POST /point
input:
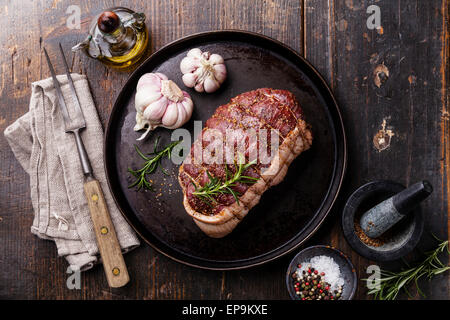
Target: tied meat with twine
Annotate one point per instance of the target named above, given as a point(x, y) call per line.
point(49, 155)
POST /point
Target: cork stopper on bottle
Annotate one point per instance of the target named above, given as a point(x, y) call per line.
point(108, 22)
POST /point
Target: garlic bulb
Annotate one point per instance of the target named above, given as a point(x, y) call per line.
point(160, 102)
point(203, 71)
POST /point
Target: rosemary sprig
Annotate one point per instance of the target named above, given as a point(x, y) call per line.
point(150, 165)
point(391, 283)
point(215, 187)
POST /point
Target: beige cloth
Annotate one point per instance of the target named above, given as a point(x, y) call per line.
point(50, 157)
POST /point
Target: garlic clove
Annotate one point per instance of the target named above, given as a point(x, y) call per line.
point(216, 59)
point(149, 80)
point(189, 79)
point(220, 72)
point(196, 52)
point(188, 106)
point(210, 85)
point(155, 110)
point(199, 87)
point(181, 116)
point(144, 98)
point(189, 64)
point(170, 116)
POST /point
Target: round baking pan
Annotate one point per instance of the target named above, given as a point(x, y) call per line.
point(287, 214)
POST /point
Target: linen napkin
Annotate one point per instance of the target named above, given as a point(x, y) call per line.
point(49, 155)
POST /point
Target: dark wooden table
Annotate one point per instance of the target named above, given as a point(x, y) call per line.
point(412, 47)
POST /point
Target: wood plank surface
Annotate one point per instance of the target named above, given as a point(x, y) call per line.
point(413, 45)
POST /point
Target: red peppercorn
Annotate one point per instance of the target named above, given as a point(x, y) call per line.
point(297, 284)
point(316, 272)
point(319, 285)
point(322, 273)
point(307, 284)
point(309, 270)
point(321, 291)
point(299, 266)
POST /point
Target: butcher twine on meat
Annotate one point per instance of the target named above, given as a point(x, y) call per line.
point(281, 117)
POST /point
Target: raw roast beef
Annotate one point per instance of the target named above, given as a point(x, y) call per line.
point(272, 114)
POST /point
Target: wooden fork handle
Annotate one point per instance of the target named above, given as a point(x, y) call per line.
point(108, 244)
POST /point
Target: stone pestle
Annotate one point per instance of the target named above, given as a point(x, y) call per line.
point(386, 214)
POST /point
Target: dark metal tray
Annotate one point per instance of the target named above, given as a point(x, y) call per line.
point(287, 214)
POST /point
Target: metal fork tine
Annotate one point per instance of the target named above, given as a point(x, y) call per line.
point(58, 89)
point(71, 85)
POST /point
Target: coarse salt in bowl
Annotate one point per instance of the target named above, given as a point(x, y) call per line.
point(337, 268)
point(327, 265)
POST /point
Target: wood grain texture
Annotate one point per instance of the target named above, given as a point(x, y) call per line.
point(410, 45)
point(414, 101)
point(113, 263)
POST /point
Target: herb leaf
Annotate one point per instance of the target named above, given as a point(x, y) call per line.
point(391, 283)
point(150, 165)
point(215, 187)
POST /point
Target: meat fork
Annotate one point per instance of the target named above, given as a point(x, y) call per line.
point(108, 244)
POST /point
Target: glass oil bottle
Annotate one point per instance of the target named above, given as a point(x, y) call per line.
point(117, 37)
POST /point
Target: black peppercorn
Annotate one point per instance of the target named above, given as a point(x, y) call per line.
point(311, 285)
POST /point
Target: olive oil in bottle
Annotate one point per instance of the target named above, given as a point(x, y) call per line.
point(117, 37)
